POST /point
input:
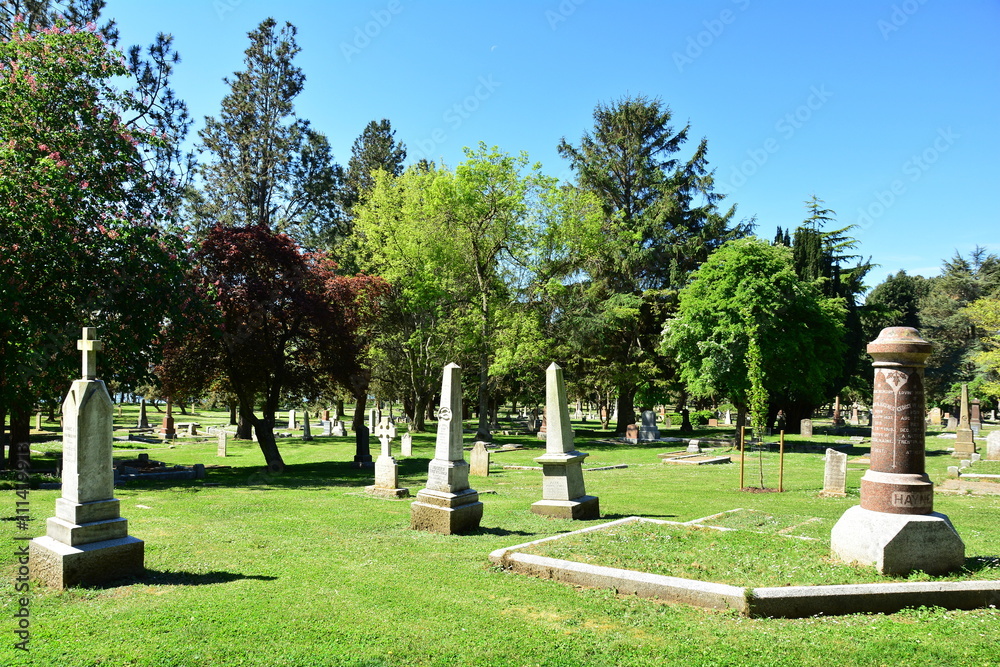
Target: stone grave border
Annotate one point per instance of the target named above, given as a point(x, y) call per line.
point(768, 602)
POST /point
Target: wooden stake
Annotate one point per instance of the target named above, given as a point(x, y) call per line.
point(781, 463)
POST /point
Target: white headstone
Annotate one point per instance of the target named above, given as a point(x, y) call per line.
point(87, 540)
point(835, 474)
point(385, 432)
point(993, 446)
point(223, 441)
point(406, 445)
point(292, 424)
point(479, 460)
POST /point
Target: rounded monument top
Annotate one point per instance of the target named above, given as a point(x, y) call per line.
point(900, 345)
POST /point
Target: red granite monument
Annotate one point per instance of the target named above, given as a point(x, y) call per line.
point(896, 528)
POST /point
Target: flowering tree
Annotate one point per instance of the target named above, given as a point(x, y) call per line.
point(80, 198)
point(269, 319)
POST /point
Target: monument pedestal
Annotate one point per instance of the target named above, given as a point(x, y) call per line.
point(563, 492)
point(387, 480)
point(446, 513)
point(60, 565)
point(897, 544)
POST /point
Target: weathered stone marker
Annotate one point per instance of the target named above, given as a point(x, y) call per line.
point(448, 505)
point(479, 460)
point(386, 470)
point(806, 428)
point(965, 441)
point(835, 474)
point(895, 528)
point(993, 446)
point(306, 427)
point(167, 429)
point(292, 423)
point(975, 416)
point(223, 437)
point(406, 445)
point(648, 430)
point(935, 416)
point(87, 541)
point(143, 417)
point(563, 492)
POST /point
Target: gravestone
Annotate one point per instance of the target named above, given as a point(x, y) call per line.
point(712, 423)
point(993, 446)
point(951, 424)
point(855, 417)
point(143, 417)
point(87, 541)
point(648, 431)
point(167, 429)
point(533, 421)
point(965, 441)
point(543, 430)
point(728, 420)
point(694, 447)
point(338, 429)
point(192, 429)
point(563, 492)
point(306, 427)
point(447, 505)
point(895, 528)
point(632, 434)
point(837, 420)
point(362, 453)
point(479, 460)
point(975, 416)
point(835, 474)
point(386, 470)
point(223, 442)
point(292, 423)
point(373, 419)
point(935, 416)
point(327, 428)
point(38, 421)
point(806, 428)
point(326, 415)
point(406, 444)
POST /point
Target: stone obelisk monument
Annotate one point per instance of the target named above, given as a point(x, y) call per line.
point(896, 528)
point(965, 441)
point(563, 493)
point(448, 505)
point(87, 541)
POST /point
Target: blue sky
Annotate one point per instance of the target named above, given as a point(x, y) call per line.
point(887, 110)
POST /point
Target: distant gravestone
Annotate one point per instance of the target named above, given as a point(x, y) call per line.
point(327, 427)
point(993, 446)
point(223, 441)
point(543, 429)
point(975, 416)
point(292, 424)
point(935, 416)
point(728, 419)
point(965, 440)
point(694, 447)
point(38, 421)
point(87, 541)
point(326, 415)
point(143, 418)
point(632, 434)
point(479, 460)
point(806, 428)
point(648, 430)
point(835, 474)
point(406, 444)
point(372, 420)
point(712, 423)
point(952, 424)
point(386, 470)
point(306, 427)
point(192, 429)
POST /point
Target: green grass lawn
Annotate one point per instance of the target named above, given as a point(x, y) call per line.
point(247, 568)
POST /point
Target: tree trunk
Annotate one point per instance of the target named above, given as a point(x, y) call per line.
point(339, 408)
point(180, 404)
point(264, 428)
point(244, 429)
point(20, 436)
point(419, 424)
point(626, 407)
point(233, 418)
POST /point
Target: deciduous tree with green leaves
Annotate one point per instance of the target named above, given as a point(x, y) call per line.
point(747, 322)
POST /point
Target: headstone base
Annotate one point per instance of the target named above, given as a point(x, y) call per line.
point(897, 544)
point(446, 513)
point(60, 566)
point(583, 508)
point(362, 461)
point(380, 492)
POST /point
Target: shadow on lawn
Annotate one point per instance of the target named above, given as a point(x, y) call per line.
point(168, 578)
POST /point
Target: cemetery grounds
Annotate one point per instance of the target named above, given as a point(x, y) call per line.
point(304, 568)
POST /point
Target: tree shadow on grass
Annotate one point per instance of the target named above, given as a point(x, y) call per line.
point(502, 532)
point(168, 578)
point(319, 475)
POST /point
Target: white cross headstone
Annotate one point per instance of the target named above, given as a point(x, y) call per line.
point(90, 347)
point(385, 432)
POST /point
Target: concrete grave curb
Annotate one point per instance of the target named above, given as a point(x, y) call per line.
point(780, 602)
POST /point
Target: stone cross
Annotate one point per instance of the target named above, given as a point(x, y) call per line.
point(385, 432)
point(965, 441)
point(90, 346)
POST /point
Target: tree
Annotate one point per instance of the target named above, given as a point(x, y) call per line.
point(661, 219)
point(270, 319)
point(946, 323)
point(376, 149)
point(895, 302)
point(985, 314)
point(268, 167)
point(747, 322)
point(82, 192)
